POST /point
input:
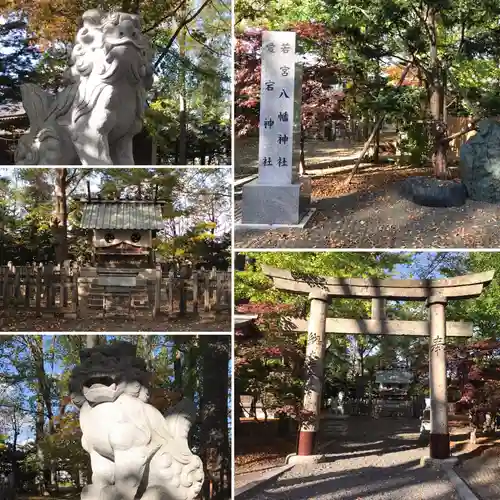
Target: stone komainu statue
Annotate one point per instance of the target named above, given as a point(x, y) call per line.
point(93, 119)
point(135, 451)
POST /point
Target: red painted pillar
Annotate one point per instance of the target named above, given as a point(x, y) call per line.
point(315, 351)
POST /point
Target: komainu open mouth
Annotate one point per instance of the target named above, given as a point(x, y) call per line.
point(95, 382)
point(100, 389)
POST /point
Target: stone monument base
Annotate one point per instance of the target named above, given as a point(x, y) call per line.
point(271, 204)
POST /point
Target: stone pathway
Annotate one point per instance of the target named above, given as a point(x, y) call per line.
point(319, 154)
point(368, 459)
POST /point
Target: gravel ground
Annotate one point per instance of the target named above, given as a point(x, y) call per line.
point(383, 219)
point(368, 459)
point(482, 474)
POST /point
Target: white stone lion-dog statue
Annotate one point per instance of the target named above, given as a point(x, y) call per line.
point(135, 451)
point(93, 120)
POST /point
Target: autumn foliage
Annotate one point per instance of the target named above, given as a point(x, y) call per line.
point(320, 101)
point(477, 369)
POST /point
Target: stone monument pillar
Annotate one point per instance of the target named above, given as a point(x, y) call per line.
point(439, 435)
point(275, 196)
point(135, 451)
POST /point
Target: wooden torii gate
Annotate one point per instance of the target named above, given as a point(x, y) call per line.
point(435, 292)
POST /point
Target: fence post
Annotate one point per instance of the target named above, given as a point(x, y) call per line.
point(38, 290)
point(207, 291)
point(47, 278)
point(75, 272)
point(194, 277)
point(83, 295)
point(5, 292)
point(227, 289)
point(158, 277)
point(219, 284)
point(17, 284)
point(182, 297)
point(27, 286)
point(65, 281)
point(171, 277)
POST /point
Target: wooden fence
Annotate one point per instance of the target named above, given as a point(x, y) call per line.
point(384, 408)
point(75, 291)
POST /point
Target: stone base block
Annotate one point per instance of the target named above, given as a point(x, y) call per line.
point(439, 463)
point(295, 459)
point(267, 204)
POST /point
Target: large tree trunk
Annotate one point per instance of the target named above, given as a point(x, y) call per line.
point(182, 100)
point(44, 406)
point(376, 150)
point(39, 435)
point(436, 99)
point(366, 127)
point(178, 365)
point(192, 379)
point(60, 217)
point(214, 412)
point(148, 345)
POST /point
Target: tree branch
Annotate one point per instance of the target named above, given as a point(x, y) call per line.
point(181, 25)
point(214, 52)
point(165, 17)
point(462, 37)
point(459, 134)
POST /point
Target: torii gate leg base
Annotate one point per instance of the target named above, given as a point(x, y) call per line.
point(439, 446)
point(307, 440)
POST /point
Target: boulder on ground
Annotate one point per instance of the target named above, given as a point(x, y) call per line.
point(432, 192)
point(480, 162)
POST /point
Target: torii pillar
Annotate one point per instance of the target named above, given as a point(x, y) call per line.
point(315, 353)
point(439, 444)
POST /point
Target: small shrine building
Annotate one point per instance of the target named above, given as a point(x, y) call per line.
point(122, 230)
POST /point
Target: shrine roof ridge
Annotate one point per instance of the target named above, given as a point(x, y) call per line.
point(128, 216)
point(121, 200)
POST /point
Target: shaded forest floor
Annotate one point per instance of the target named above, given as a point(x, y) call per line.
point(259, 447)
point(24, 322)
point(371, 213)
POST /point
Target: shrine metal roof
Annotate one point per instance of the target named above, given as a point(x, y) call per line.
point(122, 215)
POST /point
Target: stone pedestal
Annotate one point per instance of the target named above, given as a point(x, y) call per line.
point(271, 204)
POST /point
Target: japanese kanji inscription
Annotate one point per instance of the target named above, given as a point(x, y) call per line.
point(277, 107)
